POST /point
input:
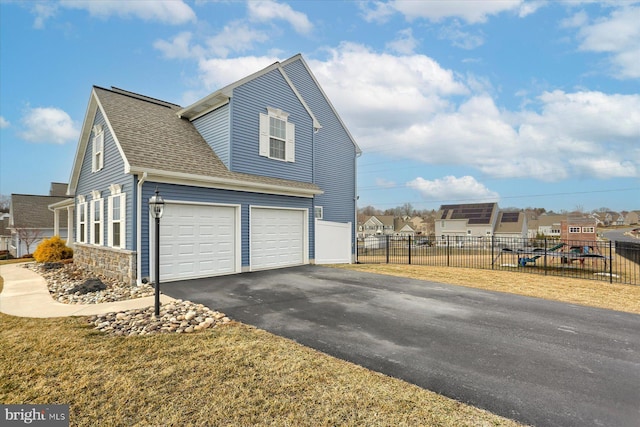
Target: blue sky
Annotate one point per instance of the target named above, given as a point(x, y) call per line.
point(528, 103)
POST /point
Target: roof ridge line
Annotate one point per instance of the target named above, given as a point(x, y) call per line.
point(142, 97)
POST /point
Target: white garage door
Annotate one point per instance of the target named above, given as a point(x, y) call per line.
point(278, 238)
point(197, 241)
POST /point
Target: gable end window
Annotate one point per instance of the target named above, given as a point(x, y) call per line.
point(116, 217)
point(574, 229)
point(277, 135)
point(98, 148)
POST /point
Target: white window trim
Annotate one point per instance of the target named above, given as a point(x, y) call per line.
point(588, 229)
point(574, 229)
point(318, 212)
point(97, 162)
point(82, 209)
point(116, 192)
point(264, 142)
point(96, 198)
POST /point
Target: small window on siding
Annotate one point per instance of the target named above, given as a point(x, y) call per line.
point(116, 218)
point(81, 232)
point(98, 148)
point(277, 135)
point(96, 220)
point(318, 212)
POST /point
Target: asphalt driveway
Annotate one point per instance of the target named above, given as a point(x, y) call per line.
point(539, 362)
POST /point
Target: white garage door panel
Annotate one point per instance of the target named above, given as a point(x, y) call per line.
point(277, 238)
point(197, 241)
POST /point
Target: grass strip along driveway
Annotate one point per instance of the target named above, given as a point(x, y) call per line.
point(238, 375)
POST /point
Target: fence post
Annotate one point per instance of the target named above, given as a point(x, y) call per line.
point(492, 253)
point(387, 246)
point(448, 249)
point(409, 250)
point(545, 256)
point(610, 262)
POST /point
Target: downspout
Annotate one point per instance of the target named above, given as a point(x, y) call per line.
point(354, 254)
point(313, 181)
point(139, 230)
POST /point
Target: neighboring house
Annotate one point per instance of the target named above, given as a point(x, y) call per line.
point(547, 225)
point(466, 220)
point(31, 220)
point(511, 225)
point(5, 232)
point(378, 225)
point(632, 218)
point(421, 226)
point(578, 228)
point(612, 218)
point(402, 227)
point(244, 172)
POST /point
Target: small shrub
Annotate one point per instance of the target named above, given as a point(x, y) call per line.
point(52, 250)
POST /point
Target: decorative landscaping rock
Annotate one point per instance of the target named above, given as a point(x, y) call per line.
point(89, 285)
point(71, 285)
point(172, 319)
point(66, 282)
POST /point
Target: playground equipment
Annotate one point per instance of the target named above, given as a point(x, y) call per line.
point(575, 253)
point(523, 261)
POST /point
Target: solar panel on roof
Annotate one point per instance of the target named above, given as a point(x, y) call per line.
point(510, 217)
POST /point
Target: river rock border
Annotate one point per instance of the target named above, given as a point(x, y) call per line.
point(175, 317)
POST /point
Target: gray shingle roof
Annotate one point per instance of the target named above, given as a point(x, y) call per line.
point(31, 211)
point(4, 227)
point(153, 137)
point(58, 189)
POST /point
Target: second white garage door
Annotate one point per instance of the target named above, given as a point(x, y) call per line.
point(197, 241)
point(278, 238)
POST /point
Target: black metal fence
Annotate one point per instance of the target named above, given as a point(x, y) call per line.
point(614, 262)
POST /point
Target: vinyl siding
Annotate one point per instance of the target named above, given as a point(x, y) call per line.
point(214, 128)
point(111, 173)
point(334, 153)
point(247, 102)
point(202, 195)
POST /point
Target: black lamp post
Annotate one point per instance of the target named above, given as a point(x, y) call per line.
point(156, 207)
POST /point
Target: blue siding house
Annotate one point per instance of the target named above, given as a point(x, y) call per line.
point(257, 175)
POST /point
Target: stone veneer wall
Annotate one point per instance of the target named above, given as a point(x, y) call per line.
point(117, 264)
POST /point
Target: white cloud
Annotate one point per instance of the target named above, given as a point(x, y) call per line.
point(172, 12)
point(577, 20)
point(450, 188)
point(618, 35)
point(48, 125)
point(460, 38)
point(385, 183)
point(179, 47)
point(235, 37)
point(4, 123)
point(269, 10)
point(43, 11)
point(376, 11)
point(216, 73)
point(409, 107)
point(404, 43)
point(384, 90)
point(469, 11)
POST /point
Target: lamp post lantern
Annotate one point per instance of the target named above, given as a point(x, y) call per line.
point(156, 208)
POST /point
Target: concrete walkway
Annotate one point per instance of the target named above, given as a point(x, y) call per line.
point(25, 294)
